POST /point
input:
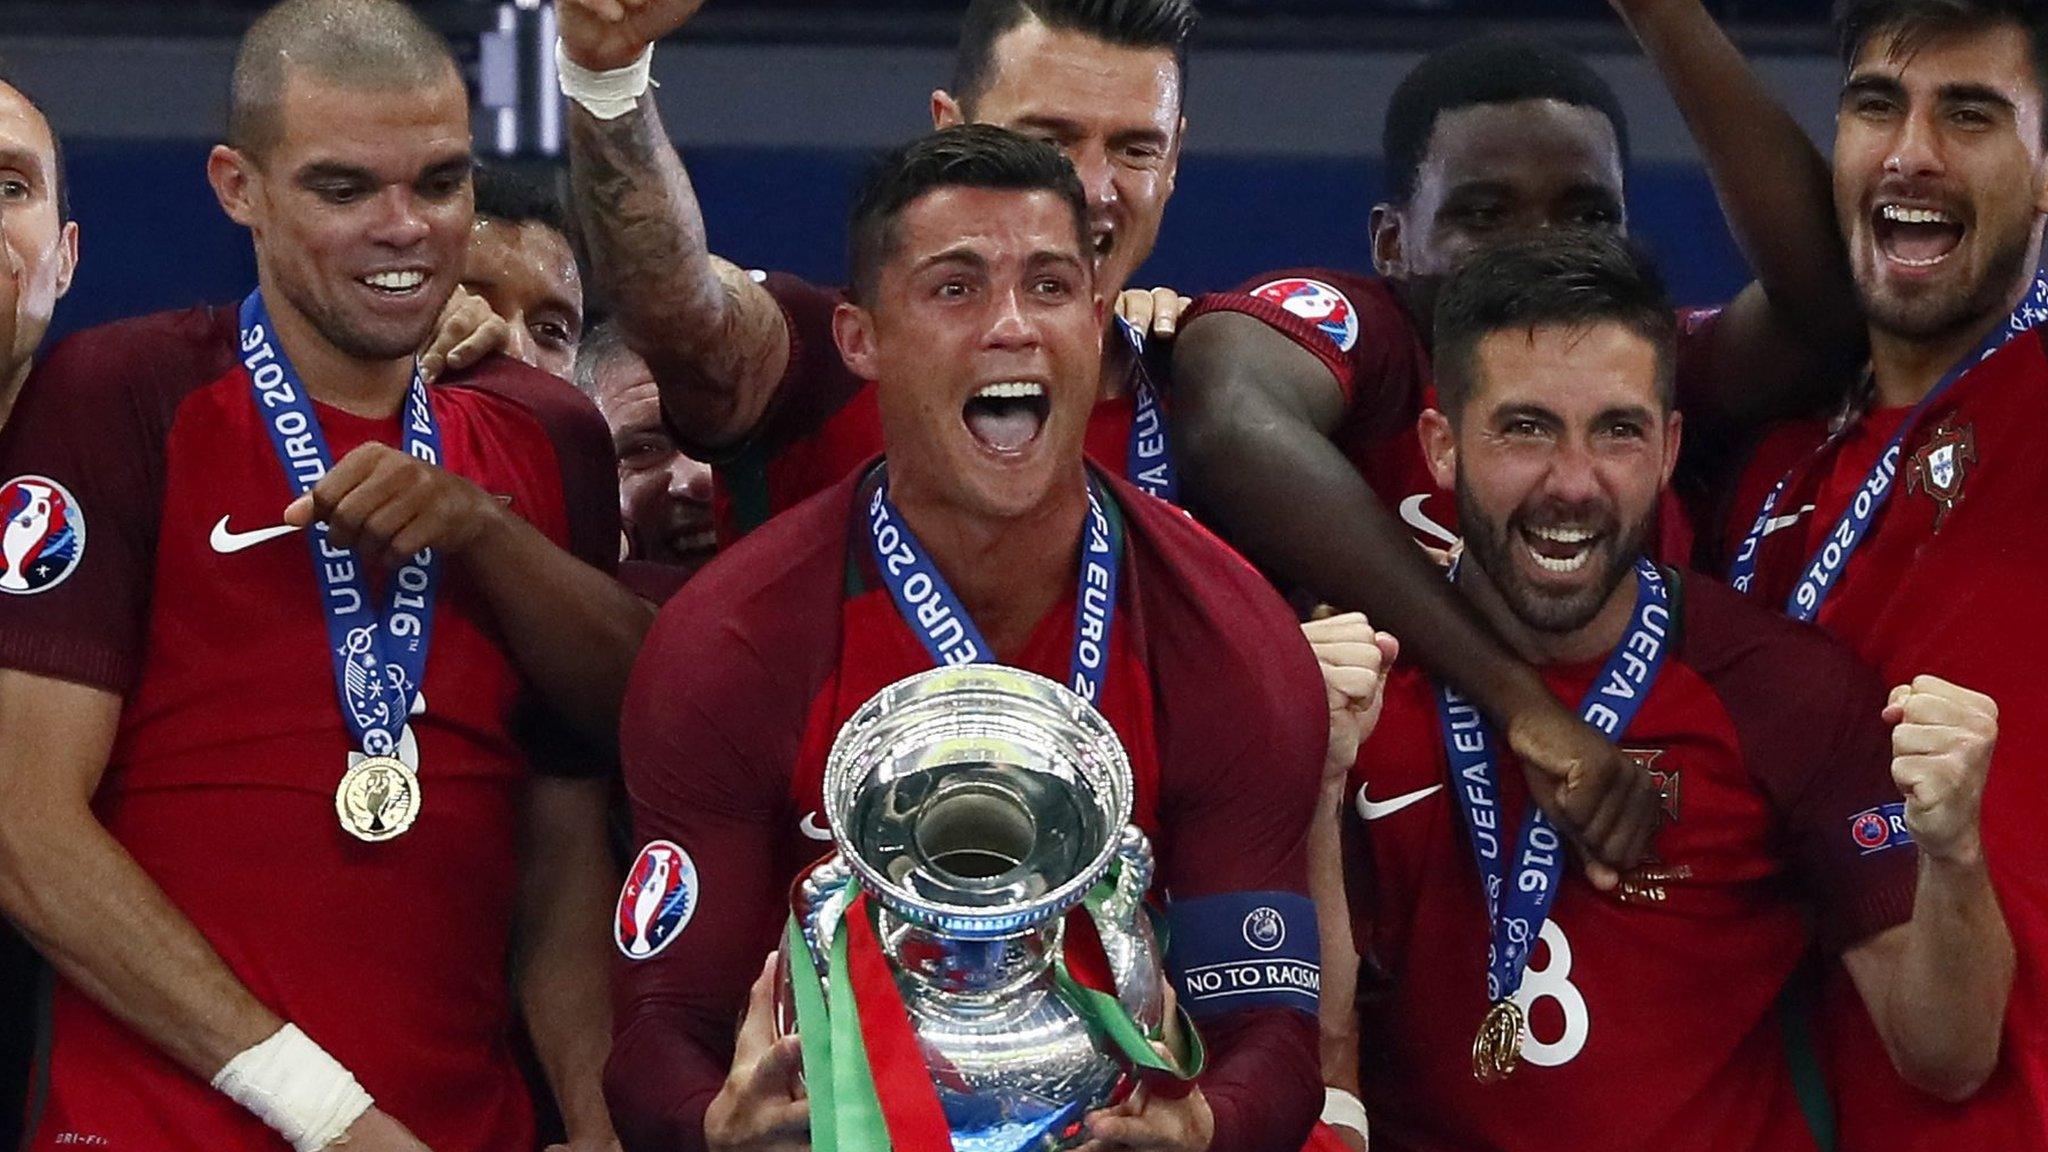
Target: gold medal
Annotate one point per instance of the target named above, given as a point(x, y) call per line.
point(1498, 1047)
point(378, 799)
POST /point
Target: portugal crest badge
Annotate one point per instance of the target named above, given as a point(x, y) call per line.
point(1941, 465)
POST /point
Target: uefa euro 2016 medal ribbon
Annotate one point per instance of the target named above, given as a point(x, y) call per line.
point(1148, 459)
point(1826, 565)
point(380, 658)
point(1517, 904)
point(948, 634)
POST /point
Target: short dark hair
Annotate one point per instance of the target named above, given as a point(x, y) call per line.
point(1571, 278)
point(963, 156)
point(1489, 70)
point(1857, 22)
point(372, 44)
point(1130, 23)
point(60, 185)
point(518, 195)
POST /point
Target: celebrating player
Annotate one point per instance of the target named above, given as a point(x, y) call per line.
point(972, 275)
point(750, 379)
point(1907, 526)
point(1516, 1004)
point(258, 666)
point(1309, 380)
point(664, 495)
point(521, 291)
point(39, 241)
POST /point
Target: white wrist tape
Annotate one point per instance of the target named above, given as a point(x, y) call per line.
point(294, 1086)
point(606, 95)
point(1343, 1110)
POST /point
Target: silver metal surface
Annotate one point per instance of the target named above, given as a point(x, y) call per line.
point(977, 806)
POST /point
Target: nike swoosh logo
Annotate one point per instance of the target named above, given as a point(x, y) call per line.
point(1780, 523)
point(1416, 518)
point(227, 543)
point(1382, 809)
point(811, 828)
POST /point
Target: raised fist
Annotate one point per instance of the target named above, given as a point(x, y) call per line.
point(606, 34)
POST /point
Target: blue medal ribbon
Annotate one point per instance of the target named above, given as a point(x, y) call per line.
point(380, 658)
point(1827, 564)
point(1148, 461)
point(927, 603)
point(1518, 903)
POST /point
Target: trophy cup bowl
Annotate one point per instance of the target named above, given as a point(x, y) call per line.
point(976, 806)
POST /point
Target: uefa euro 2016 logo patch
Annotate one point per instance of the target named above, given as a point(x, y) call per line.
point(659, 897)
point(42, 535)
point(1318, 303)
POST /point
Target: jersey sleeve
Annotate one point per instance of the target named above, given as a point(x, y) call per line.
point(83, 455)
point(1241, 744)
point(713, 719)
point(1825, 765)
point(815, 383)
point(1353, 327)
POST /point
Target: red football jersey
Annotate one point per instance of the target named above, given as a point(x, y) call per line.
point(1949, 583)
point(823, 423)
point(1651, 1011)
point(231, 743)
point(750, 671)
point(1361, 332)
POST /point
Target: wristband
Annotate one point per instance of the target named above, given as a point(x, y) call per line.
point(1343, 1110)
point(294, 1086)
point(609, 94)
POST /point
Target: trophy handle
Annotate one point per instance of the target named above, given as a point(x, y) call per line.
point(1125, 927)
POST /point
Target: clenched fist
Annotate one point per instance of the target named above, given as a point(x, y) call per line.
point(606, 34)
point(1355, 660)
point(1942, 740)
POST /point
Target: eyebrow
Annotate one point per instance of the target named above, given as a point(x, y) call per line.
point(23, 158)
point(1873, 84)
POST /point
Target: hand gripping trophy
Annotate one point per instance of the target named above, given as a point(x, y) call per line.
point(974, 968)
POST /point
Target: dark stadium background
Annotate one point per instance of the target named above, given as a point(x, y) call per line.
point(779, 102)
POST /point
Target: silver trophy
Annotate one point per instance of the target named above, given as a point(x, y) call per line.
point(977, 806)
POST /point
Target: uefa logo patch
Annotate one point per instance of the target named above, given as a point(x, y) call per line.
point(1879, 828)
point(1264, 929)
point(1318, 303)
point(659, 897)
point(42, 535)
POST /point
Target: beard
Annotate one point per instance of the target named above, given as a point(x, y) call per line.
point(1934, 315)
point(1491, 543)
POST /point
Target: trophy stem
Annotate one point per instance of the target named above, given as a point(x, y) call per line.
point(966, 966)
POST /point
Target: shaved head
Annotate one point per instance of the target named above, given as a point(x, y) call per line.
point(378, 45)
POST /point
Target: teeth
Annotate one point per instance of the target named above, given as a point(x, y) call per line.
point(1572, 565)
point(1898, 214)
point(1563, 535)
point(1013, 390)
point(396, 281)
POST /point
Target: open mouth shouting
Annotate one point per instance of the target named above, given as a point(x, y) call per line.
point(1559, 550)
point(1007, 417)
point(1915, 236)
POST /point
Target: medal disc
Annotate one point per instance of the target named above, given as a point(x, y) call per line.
point(378, 799)
point(1498, 1047)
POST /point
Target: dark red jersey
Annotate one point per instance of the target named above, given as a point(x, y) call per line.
point(1651, 1010)
point(749, 673)
point(1948, 582)
point(231, 743)
point(1361, 332)
point(823, 422)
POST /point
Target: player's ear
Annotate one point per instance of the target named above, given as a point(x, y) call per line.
point(1385, 228)
point(233, 177)
point(853, 329)
point(1439, 447)
point(67, 257)
point(1674, 428)
point(946, 110)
